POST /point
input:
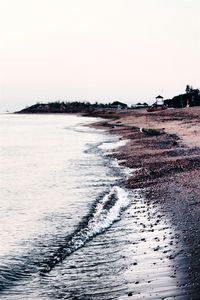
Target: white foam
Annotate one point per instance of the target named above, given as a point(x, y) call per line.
point(113, 145)
point(107, 211)
point(124, 170)
point(104, 218)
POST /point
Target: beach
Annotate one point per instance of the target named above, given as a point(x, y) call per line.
point(164, 155)
point(100, 214)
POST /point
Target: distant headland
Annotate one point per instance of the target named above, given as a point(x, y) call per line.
point(191, 97)
point(71, 107)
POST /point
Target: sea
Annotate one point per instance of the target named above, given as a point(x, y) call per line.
point(68, 223)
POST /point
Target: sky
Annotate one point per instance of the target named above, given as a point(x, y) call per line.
point(97, 50)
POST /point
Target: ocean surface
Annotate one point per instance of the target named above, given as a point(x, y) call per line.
point(68, 224)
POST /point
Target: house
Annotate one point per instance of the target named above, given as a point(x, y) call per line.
point(118, 105)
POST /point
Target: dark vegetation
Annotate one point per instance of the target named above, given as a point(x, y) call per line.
point(191, 97)
point(71, 107)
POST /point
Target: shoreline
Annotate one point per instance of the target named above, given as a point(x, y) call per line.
point(164, 148)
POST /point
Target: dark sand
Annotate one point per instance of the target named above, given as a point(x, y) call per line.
point(164, 151)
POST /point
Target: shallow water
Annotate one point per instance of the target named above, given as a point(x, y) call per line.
point(69, 227)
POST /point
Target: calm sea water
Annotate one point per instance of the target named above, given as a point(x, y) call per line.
point(57, 193)
point(66, 219)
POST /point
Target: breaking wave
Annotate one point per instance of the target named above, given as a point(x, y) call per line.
point(104, 214)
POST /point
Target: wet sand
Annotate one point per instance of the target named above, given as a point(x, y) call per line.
point(164, 153)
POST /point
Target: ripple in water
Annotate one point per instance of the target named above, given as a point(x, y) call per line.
point(105, 213)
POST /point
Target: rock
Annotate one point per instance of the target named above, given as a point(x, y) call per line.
point(156, 248)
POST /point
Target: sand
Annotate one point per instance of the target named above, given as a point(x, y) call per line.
point(164, 154)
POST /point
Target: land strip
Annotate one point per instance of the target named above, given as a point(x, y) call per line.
point(164, 152)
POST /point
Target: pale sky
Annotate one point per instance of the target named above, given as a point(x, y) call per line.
point(97, 50)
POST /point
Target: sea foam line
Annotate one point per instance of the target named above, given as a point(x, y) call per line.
point(105, 213)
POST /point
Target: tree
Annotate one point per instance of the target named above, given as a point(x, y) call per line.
point(187, 89)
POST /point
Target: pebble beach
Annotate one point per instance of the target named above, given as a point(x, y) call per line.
point(163, 152)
